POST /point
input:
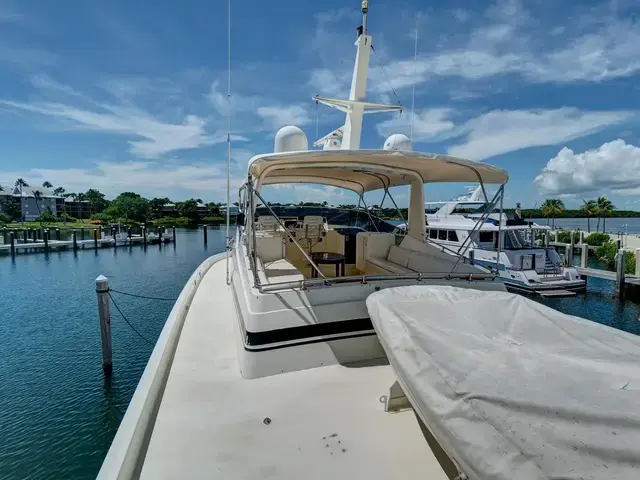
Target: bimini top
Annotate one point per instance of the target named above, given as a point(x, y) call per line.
point(366, 170)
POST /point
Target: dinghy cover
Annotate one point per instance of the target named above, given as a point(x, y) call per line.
point(512, 389)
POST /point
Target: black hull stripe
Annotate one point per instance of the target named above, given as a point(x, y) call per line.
point(257, 339)
point(308, 342)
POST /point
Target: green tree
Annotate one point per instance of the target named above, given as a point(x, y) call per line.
point(156, 204)
point(605, 207)
point(47, 184)
point(96, 200)
point(589, 208)
point(551, 208)
point(59, 191)
point(214, 209)
point(46, 217)
point(21, 183)
point(189, 209)
point(37, 195)
point(129, 206)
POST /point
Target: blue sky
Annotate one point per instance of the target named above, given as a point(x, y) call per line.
point(131, 95)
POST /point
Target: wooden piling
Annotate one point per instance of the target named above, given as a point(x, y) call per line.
point(58, 234)
point(160, 235)
point(568, 255)
point(637, 262)
point(204, 229)
point(45, 237)
point(584, 255)
point(4, 235)
point(12, 238)
point(35, 235)
point(95, 239)
point(144, 236)
point(81, 233)
point(75, 240)
point(173, 231)
point(572, 242)
point(102, 290)
point(129, 235)
point(620, 258)
point(25, 235)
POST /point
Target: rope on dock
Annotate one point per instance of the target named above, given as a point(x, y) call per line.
point(127, 321)
point(143, 296)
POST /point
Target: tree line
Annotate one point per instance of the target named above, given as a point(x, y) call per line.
point(92, 204)
point(600, 209)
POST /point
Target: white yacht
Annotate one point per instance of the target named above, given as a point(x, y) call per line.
point(269, 365)
point(471, 226)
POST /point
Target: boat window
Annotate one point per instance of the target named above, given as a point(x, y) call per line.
point(433, 233)
point(452, 236)
point(485, 237)
point(442, 234)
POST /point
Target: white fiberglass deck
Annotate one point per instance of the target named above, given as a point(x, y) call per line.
point(325, 422)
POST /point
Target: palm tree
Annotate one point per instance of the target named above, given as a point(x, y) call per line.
point(37, 195)
point(605, 207)
point(552, 207)
point(59, 191)
point(21, 183)
point(47, 184)
point(589, 208)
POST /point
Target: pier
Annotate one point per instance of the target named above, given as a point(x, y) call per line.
point(41, 240)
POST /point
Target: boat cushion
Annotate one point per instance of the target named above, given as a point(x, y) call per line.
point(398, 255)
point(510, 388)
point(386, 266)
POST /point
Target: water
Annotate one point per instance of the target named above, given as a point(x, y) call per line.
point(613, 225)
point(57, 415)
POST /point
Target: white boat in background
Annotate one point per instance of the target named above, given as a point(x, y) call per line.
point(269, 365)
point(467, 226)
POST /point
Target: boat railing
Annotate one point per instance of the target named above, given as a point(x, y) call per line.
point(367, 279)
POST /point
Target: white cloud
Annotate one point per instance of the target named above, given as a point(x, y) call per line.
point(278, 116)
point(158, 137)
point(148, 178)
point(428, 124)
point(612, 166)
point(502, 131)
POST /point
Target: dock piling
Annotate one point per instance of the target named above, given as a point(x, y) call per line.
point(568, 255)
point(25, 235)
point(546, 238)
point(584, 255)
point(81, 233)
point(129, 235)
point(4, 235)
point(95, 239)
point(160, 236)
point(58, 234)
point(102, 290)
point(204, 227)
point(75, 240)
point(637, 262)
point(13, 243)
point(620, 274)
point(144, 236)
point(173, 231)
point(45, 237)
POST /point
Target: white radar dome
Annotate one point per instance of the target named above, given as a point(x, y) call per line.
point(290, 139)
point(397, 141)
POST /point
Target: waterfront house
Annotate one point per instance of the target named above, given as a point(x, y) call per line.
point(32, 204)
point(77, 208)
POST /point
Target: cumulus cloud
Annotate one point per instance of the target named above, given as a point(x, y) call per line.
point(612, 166)
point(278, 115)
point(428, 125)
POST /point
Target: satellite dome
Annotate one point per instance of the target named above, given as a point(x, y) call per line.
point(398, 141)
point(290, 139)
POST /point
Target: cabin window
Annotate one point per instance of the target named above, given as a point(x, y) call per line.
point(433, 234)
point(485, 237)
point(442, 234)
point(452, 236)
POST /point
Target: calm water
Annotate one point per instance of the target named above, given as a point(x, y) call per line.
point(57, 416)
point(613, 225)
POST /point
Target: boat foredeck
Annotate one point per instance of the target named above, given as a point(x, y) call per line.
point(326, 422)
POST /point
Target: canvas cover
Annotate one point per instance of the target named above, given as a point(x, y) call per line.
point(513, 389)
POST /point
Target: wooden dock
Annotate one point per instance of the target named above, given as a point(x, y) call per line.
point(607, 275)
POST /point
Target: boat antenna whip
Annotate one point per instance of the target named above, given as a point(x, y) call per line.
point(413, 93)
point(228, 136)
point(365, 9)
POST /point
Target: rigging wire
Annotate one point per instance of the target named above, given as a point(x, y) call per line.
point(317, 122)
point(228, 135)
point(128, 322)
point(413, 94)
point(384, 72)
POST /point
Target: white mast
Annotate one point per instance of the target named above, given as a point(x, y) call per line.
point(355, 107)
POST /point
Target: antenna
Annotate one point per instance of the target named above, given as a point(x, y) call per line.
point(228, 133)
point(413, 94)
point(365, 9)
